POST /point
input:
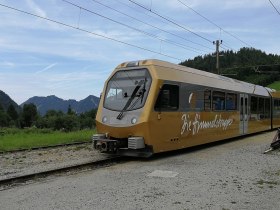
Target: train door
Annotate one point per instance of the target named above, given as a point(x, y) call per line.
point(167, 124)
point(244, 113)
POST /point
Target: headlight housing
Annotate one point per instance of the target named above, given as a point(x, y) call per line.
point(104, 119)
point(133, 120)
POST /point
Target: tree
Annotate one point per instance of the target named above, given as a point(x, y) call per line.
point(71, 123)
point(11, 111)
point(4, 119)
point(87, 119)
point(29, 115)
point(70, 111)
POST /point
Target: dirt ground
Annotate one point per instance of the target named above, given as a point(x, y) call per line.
point(231, 175)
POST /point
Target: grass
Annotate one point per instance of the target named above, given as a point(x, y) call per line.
point(14, 139)
point(275, 85)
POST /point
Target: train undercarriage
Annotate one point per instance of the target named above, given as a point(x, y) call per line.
point(131, 146)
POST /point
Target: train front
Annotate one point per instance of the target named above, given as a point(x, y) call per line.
point(120, 120)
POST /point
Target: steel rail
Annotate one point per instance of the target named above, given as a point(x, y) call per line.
point(10, 182)
point(46, 147)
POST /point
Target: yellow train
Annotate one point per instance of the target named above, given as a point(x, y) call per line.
point(152, 106)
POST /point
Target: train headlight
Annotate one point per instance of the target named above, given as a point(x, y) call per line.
point(133, 120)
point(104, 119)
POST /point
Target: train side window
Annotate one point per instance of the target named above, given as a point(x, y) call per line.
point(218, 100)
point(267, 108)
point(276, 108)
point(254, 108)
point(231, 101)
point(207, 100)
point(261, 108)
point(195, 100)
point(168, 98)
point(275, 104)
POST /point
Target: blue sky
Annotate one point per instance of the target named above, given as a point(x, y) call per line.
point(41, 58)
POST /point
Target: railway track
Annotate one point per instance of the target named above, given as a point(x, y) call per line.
point(46, 147)
point(17, 180)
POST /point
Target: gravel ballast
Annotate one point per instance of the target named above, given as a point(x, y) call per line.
point(21, 163)
point(232, 175)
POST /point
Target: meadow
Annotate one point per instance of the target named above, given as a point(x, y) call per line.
point(275, 85)
point(15, 139)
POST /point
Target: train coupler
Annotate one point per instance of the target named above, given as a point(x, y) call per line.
point(101, 143)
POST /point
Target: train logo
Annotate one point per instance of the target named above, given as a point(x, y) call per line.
point(195, 125)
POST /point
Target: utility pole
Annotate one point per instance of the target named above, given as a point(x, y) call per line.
point(218, 43)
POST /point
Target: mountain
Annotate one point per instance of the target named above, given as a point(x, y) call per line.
point(5, 101)
point(44, 104)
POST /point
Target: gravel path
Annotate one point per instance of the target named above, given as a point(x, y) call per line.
point(28, 162)
point(233, 175)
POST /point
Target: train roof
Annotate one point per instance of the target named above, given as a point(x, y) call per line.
point(168, 71)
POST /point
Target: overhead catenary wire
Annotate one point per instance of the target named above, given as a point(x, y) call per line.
point(171, 21)
point(153, 26)
point(133, 28)
point(274, 7)
point(208, 20)
point(221, 29)
point(89, 32)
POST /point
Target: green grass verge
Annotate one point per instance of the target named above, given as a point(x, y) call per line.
point(275, 85)
point(14, 139)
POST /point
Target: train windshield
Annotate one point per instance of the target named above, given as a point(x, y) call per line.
point(127, 90)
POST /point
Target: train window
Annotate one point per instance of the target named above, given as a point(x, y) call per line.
point(267, 108)
point(168, 99)
point(127, 90)
point(275, 104)
point(254, 108)
point(254, 105)
point(207, 100)
point(194, 100)
point(231, 101)
point(218, 100)
point(261, 108)
point(114, 94)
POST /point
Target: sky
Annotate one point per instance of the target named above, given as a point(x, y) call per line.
point(68, 48)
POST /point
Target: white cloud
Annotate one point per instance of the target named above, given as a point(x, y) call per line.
point(39, 11)
point(7, 64)
point(46, 68)
point(31, 48)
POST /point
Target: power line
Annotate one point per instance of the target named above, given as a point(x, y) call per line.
point(171, 21)
point(133, 28)
point(89, 32)
point(208, 20)
point(135, 9)
point(274, 7)
point(153, 26)
point(221, 29)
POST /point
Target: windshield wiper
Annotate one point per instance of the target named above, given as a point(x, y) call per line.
point(143, 90)
point(120, 116)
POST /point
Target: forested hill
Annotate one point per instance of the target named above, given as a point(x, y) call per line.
point(247, 64)
point(6, 101)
